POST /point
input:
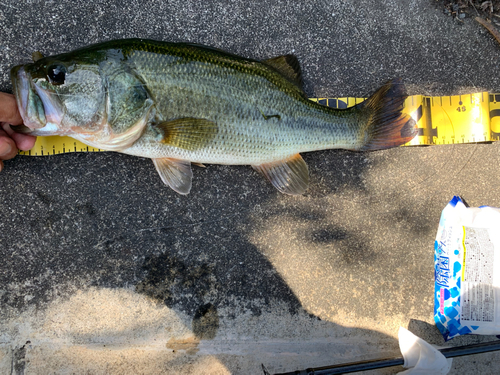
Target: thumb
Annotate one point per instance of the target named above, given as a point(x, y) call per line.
point(8, 109)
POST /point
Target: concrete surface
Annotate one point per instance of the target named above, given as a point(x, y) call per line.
point(106, 271)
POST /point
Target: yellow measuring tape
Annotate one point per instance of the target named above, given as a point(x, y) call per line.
point(440, 120)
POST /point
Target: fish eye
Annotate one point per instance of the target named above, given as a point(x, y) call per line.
point(56, 74)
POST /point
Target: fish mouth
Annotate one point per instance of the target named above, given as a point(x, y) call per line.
point(39, 108)
point(29, 104)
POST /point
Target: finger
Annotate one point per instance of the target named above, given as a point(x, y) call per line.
point(1, 165)
point(8, 109)
point(23, 141)
point(8, 147)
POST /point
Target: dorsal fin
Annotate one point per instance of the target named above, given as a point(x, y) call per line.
point(289, 67)
point(37, 55)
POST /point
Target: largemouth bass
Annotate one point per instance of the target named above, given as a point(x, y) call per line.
point(180, 103)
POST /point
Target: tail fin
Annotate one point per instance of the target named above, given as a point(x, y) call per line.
point(387, 127)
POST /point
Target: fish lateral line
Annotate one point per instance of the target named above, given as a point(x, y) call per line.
point(268, 117)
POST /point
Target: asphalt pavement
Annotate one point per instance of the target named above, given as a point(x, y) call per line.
point(106, 271)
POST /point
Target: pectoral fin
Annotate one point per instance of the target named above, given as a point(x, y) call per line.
point(290, 176)
point(175, 173)
point(187, 133)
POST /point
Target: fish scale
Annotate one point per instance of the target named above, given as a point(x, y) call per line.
point(238, 111)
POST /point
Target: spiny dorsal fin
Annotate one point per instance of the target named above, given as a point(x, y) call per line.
point(187, 133)
point(175, 173)
point(290, 176)
point(37, 55)
point(289, 67)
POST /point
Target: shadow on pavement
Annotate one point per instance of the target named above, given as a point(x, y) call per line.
point(233, 247)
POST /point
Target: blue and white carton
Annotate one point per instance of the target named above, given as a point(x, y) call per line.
point(467, 270)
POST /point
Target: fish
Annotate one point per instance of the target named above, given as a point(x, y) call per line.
point(182, 104)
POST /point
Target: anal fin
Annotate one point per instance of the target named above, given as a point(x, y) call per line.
point(290, 176)
point(175, 173)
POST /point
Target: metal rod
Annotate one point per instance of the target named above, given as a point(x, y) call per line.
point(459, 351)
point(345, 368)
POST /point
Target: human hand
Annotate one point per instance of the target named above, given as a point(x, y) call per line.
point(10, 141)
